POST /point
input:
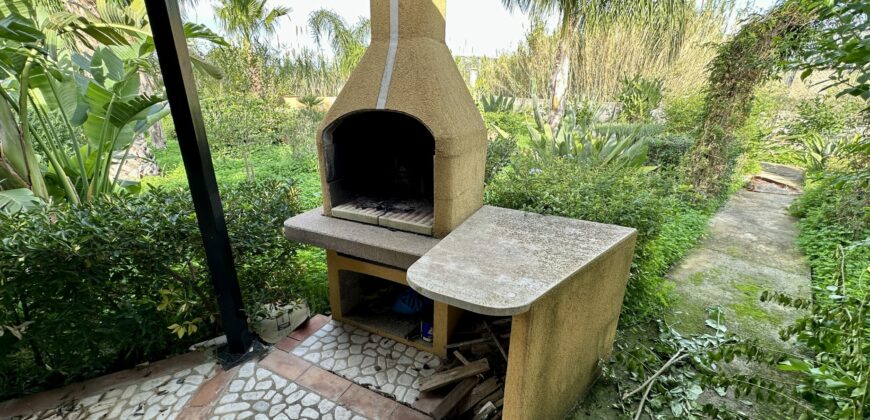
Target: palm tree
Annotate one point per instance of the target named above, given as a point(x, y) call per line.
point(573, 16)
point(248, 19)
point(348, 43)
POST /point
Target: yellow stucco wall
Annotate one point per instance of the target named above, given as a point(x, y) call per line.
point(555, 347)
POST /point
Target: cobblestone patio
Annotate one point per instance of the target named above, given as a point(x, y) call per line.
point(290, 382)
point(369, 360)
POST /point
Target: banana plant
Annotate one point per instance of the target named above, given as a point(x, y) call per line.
point(71, 95)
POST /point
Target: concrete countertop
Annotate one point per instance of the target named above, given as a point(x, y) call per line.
point(369, 242)
point(500, 261)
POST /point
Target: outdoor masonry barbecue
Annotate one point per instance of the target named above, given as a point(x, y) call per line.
point(402, 153)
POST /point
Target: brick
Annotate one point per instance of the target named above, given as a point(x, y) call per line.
point(286, 365)
point(405, 413)
point(323, 382)
point(287, 344)
point(309, 327)
point(368, 403)
point(212, 389)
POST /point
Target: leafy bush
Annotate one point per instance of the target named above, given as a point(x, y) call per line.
point(834, 218)
point(499, 152)
point(512, 123)
point(623, 129)
point(666, 225)
point(684, 114)
point(668, 149)
point(95, 287)
point(242, 122)
point(639, 97)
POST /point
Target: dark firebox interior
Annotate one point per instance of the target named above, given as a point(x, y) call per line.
point(381, 155)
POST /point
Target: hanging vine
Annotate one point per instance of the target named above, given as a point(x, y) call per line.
point(752, 56)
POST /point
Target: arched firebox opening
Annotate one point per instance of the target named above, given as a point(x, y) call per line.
point(380, 170)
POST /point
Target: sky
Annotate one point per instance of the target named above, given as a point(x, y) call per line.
point(474, 27)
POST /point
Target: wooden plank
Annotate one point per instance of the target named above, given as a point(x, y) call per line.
point(485, 411)
point(454, 397)
point(498, 395)
point(468, 343)
point(481, 391)
point(460, 357)
point(453, 375)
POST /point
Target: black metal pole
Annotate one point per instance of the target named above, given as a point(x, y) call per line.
point(171, 46)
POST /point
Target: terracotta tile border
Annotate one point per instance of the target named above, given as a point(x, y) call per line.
point(211, 390)
point(287, 344)
point(284, 364)
point(368, 403)
point(324, 383)
point(404, 412)
point(49, 399)
point(309, 327)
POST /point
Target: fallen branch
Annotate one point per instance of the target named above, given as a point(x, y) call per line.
point(674, 359)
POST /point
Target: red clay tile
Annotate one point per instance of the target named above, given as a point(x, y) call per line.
point(286, 365)
point(309, 327)
point(368, 403)
point(212, 389)
point(287, 344)
point(406, 413)
point(195, 413)
point(323, 382)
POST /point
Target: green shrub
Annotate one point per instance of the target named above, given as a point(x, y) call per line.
point(97, 286)
point(511, 122)
point(683, 114)
point(834, 218)
point(236, 122)
point(667, 226)
point(499, 152)
point(622, 129)
point(668, 149)
point(639, 97)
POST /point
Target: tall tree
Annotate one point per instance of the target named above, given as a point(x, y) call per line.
point(248, 20)
point(573, 16)
point(348, 42)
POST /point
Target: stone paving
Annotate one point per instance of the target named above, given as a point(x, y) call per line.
point(260, 394)
point(280, 385)
point(369, 360)
point(163, 397)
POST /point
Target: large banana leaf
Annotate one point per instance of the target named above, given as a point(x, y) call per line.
point(15, 27)
point(13, 201)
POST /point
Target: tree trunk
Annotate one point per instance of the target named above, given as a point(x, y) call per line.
point(254, 69)
point(559, 81)
point(561, 78)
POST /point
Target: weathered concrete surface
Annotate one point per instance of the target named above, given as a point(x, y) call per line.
point(500, 261)
point(750, 247)
point(369, 242)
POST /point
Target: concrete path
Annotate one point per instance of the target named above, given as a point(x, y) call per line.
point(750, 247)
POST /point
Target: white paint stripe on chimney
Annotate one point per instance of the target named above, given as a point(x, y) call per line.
point(391, 54)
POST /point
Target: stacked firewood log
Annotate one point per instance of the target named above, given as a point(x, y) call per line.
point(471, 384)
